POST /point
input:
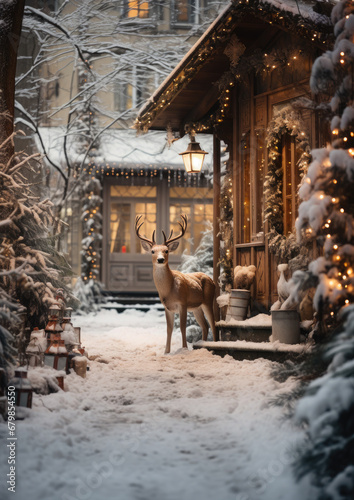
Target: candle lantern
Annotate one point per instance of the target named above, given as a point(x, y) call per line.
point(68, 312)
point(36, 348)
point(56, 356)
point(23, 389)
point(54, 321)
point(193, 157)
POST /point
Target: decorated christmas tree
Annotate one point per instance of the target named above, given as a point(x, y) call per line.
point(326, 215)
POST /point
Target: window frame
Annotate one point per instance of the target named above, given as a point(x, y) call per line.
point(193, 8)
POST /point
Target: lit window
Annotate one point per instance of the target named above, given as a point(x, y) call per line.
point(197, 204)
point(136, 8)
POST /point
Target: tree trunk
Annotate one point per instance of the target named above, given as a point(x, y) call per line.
point(11, 15)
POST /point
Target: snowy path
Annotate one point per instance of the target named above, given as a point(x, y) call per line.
point(145, 426)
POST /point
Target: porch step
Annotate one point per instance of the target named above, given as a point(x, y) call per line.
point(121, 304)
point(241, 349)
point(244, 332)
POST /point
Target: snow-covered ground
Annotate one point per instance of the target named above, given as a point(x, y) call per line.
point(146, 426)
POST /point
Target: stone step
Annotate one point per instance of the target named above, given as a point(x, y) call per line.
point(241, 349)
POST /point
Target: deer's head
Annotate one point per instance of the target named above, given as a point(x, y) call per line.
point(160, 253)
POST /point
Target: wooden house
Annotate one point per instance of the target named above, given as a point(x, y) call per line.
point(246, 81)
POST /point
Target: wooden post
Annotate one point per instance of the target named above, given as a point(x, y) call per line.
point(216, 219)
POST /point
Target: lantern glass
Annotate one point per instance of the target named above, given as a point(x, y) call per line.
point(54, 310)
point(62, 360)
point(23, 399)
point(193, 157)
point(49, 360)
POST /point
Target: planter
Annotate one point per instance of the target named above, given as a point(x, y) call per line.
point(238, 305)
point(286, 326)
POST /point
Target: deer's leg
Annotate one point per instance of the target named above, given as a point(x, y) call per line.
point(199, 316)
point(170, 318)
point(209, 313)
point(183, 323)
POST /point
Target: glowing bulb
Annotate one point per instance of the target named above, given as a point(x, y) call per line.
point(345, 139)
point(342, 210)
point(342, 61)
point(333, 200)
point(321, 196)
point(328, 235)
point(347, 301)
point(342, 54)
point(335, 247)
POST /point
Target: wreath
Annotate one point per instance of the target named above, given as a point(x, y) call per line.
point(286, 121)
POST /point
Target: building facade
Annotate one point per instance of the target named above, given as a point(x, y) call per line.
point(246, 81)
point(82, 111)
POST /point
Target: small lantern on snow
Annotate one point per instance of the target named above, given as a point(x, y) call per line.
point(53, 324)
point(193, 157)
point(56, 356)
point(23, 389)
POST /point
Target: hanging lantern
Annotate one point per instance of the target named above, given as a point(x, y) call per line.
point(23, 389)
point(193, 157)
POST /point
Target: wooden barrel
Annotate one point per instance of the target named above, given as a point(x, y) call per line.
point(238, 305)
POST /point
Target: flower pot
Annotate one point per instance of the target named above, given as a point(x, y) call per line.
point(286, 326)
point(238, 305)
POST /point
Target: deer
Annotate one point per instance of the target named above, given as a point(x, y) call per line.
point(179, 292)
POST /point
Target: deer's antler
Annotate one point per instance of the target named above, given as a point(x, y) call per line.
point(138, 225)
point(183, 226)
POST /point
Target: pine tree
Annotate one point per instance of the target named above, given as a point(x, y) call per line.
point(30, 268)
point(326, 214)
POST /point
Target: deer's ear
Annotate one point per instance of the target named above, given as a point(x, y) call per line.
point(145, 246)
point(173, 246)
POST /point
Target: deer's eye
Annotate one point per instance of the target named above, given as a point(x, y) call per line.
point(152, 251)
point(166, 251)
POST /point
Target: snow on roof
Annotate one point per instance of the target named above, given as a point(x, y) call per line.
point(126, 149)
point(303, 8)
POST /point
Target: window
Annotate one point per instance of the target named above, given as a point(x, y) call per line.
point(184, 12)
point(126, 203)
point(131, 94)
point(197, 204)
point(245, 189)
point(136, 8)
point(291, 180)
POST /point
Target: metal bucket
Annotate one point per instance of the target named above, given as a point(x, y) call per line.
point(238, 305)
point(286, 326)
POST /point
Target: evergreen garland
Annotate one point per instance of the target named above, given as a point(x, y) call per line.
point(287, 121)
point(226, 230)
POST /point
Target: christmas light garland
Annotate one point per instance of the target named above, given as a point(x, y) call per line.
point(318, 31)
